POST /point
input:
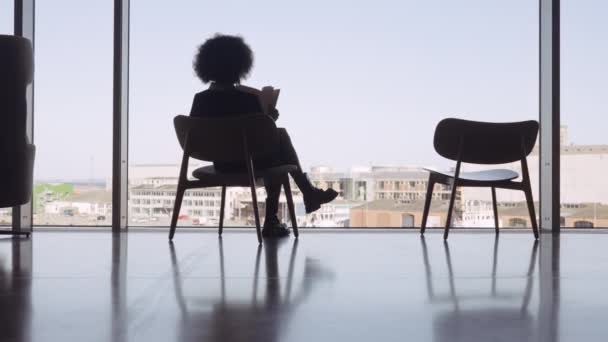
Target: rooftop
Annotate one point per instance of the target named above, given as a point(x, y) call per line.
point(92, 196)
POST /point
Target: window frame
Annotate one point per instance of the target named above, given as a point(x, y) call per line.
point(549, 112)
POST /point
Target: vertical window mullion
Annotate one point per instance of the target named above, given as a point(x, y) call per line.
point(24, 27)
point(120, 115)
point(550, 115)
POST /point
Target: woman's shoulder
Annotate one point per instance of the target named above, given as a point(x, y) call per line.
point(224, 92)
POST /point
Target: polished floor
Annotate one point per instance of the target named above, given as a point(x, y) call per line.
point(328, 286)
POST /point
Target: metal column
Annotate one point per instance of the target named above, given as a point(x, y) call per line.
point(549, 115)
point(120, 116)
point(24, 27)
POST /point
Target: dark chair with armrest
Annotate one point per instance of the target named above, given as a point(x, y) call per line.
point(483, 143)
point(239, 139)
point(16, 168)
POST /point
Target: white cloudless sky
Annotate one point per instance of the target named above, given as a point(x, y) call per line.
point(6, 16)
point(362, 82)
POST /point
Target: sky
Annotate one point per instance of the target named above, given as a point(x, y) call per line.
point(361, 82)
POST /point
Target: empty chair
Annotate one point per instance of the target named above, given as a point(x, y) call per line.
point(240, 139)
point(483, 143)
point(17, 166)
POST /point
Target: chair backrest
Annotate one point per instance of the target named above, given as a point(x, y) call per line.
point(16, 168)
point(223, 139)
point(485, 142)
point(16, 72)
point(16, 61)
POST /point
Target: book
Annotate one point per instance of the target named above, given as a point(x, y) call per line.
point(268, 95)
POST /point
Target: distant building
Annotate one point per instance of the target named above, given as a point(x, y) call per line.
point(152, 190)
point(158, 201)
point(581, 215)
point(88, 203)
point(334, 214)
point(392, 214)
point(152, 197)
point(399, 189)
point(380, 182)
point(582, 169)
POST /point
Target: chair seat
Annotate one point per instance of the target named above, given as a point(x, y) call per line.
point(211, 175)
point(494, 175)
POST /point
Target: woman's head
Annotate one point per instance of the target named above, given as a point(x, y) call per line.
point(223, 59)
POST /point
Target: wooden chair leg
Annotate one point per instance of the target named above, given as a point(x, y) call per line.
point(427, 203)
point(290, 206)
point(530, 203)
point(179, 196)
point(256, 213)
point(448, 220)
point(254, 201)
point(222, 205)
point(495, 208)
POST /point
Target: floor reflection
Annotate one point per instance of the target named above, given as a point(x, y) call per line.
point(549, 320)
point(15, 289)
point(487, 314)
point(352, 287)
point(264, 317)
point(118, 279)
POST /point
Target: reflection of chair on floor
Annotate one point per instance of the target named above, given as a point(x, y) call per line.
point(16, 309)
point(487, 322)
point(226, 320)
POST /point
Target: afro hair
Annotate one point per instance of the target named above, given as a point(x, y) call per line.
point(223, 59)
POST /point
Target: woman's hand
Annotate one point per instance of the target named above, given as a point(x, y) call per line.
point(274, 114)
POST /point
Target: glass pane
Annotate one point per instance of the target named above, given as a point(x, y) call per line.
point(362, 90)
point(584, 105)
point(73, 112)
point(6, 16)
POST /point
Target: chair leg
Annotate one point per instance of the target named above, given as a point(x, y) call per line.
point(530, 202)
point(495, 208)
point(222, 205)
point(256, 213)
point(292, 211)
point(448, 220)
point(427, 203)
point(179, 196)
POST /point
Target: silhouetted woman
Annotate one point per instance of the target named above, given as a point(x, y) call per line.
point(223, 61)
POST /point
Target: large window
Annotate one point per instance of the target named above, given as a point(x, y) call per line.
point(368, 81)
point(584, 108)
point(73, 112)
